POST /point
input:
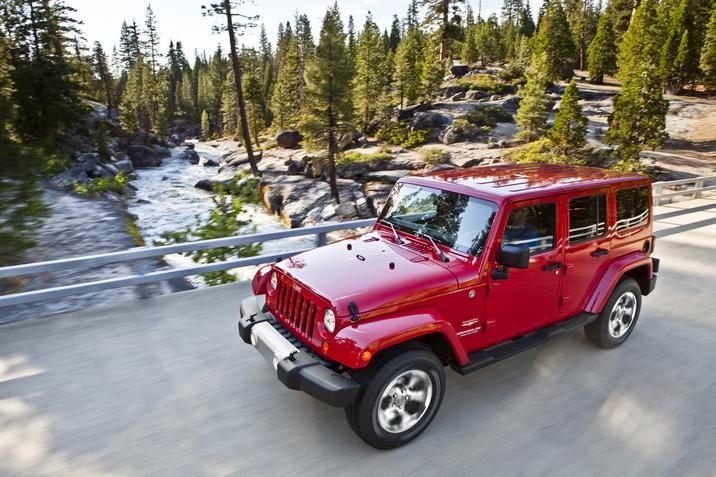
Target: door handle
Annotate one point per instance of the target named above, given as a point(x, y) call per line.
point(599, 252)
point(551, 266)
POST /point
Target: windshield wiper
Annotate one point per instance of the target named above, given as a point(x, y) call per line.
point(439, 252)
point(398, 240)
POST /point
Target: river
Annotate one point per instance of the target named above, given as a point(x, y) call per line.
point(166, 200)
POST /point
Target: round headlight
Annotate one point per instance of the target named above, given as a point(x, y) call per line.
point(274, 280)
point(329, 320)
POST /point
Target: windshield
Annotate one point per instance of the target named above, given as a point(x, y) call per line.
point(456, 220)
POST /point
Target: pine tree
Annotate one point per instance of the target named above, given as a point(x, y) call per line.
point(432, 73)
point(489, 40)
point(554, 40)
point(205, 125)
point(602, 54)
point(639, 117)
point(151, 41)
point(535, 107)
point(129, 45)
point(394, 38)
point(569, 129)
point(101, 69)
point(408, 67)
point(285, 104)
point(370, 74)
point(253, 89)
point(469, 52)
point(329, 93)
point(526, 24)
point(439, 14)
point(679, 60)
point(708, 55)
point(351, 39)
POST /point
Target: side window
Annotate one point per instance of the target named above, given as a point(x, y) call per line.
point(632, 207)
point(532, 226)
point(587, 217)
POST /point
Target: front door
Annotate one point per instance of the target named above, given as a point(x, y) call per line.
point(587, 250)
point(528, 298)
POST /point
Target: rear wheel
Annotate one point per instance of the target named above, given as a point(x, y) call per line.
point(618, 318)
point(399, 396)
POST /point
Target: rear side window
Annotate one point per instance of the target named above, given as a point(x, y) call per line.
point(632, 207)
point(587, 217)
point(532, 226)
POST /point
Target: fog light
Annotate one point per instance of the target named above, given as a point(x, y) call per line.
point(365, 356)
point(324, 347)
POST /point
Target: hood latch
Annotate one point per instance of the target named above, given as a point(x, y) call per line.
point(353, 308)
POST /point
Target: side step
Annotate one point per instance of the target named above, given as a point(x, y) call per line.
point(485, 357)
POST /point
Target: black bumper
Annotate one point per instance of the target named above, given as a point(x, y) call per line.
point(300, 370)
point(652, 281)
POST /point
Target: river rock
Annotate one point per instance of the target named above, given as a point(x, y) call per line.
point(208, 162)
point(295, 167)
point(457, 97)
point(189, 155)
point(288, 139)
point(162, 151)
point(188, 145)
point(346, 138)
point(459, 71)
point(430, 120)
point(143, 156)
point(67, 179)
point(124, 165)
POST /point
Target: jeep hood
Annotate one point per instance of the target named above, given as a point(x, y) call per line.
point(359, 269)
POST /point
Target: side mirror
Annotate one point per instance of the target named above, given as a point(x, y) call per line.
point(514, 256)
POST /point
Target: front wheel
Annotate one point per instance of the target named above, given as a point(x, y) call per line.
point(618, 318)
point(399, 397)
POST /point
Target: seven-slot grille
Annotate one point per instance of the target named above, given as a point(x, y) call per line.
point(295, 308)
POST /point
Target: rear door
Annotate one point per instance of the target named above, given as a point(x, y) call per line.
point(587, 248)
point(529, 297)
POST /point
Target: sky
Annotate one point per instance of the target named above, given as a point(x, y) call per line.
point(182, 19)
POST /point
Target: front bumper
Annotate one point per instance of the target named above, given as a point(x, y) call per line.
point(295, 368)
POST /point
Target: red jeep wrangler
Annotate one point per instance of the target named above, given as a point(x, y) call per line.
point(462, 268)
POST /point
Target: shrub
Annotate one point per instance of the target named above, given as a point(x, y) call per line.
point(353, 156)
point(435, 155)
point(399, 133)
point(462, 125)
point(486, 83)
point(103, 185)
point(513, 74)
point(545, 151)
point(222, 222)
point(488, 116)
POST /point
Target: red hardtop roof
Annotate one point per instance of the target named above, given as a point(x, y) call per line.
point(522, 181)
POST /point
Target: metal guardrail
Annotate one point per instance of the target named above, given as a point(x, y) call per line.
point(141, 279)
point(696, 191)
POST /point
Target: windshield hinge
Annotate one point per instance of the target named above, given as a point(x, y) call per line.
point(353, 309)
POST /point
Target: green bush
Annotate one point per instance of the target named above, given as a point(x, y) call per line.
point(486, 83)
point(248, 191)
point(222, 222)
point(399, 134)
point(462, 125)
point(103, 185)
point(545, 151)
point(353, 156)
point(488, 116)
point(513, 74)
point(435, 155)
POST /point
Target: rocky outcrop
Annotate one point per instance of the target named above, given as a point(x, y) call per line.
point(475, 95)
point(458, 71)
point(410, 111)
point(430, 120)
point(143, 156)
point(162, 151)
point(288, 139)
point(189, 154)
point(300, 201)
point(451, 91)
point(208, 162)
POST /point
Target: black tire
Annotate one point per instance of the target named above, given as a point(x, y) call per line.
point(603, 331)
point(363, 414)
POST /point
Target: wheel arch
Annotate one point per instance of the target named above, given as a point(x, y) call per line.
point(635, 265)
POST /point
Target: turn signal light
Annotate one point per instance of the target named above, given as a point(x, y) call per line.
point(365, 356)
point(324, 346)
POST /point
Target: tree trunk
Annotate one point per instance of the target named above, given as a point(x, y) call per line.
point(239, 90)
point(443, 35)
point(332, 154)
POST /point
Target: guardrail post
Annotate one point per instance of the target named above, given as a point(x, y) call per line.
point(657, 190)
point(697, 189)
point(142, 290)
point(321, 239)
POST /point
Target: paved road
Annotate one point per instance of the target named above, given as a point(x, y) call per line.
point(163, 387)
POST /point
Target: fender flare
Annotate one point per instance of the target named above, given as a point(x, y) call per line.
point(614, 272)
point(392, 329)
